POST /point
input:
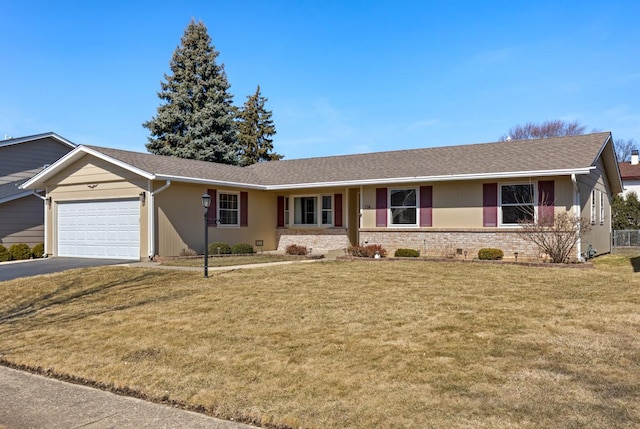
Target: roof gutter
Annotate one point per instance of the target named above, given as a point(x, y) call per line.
point(151, 216)
point(443, 178)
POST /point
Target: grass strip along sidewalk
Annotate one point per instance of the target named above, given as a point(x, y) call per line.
point(346, 343)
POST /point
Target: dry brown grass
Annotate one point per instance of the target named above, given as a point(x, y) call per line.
point(402, 344)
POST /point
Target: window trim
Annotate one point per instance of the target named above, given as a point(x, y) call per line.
point(390, 224)
point(534, 199)
point(290, 215)
point(593, 207)
point(220, 209)
point(601, 207)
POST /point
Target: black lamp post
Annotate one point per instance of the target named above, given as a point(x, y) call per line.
point(206, 202)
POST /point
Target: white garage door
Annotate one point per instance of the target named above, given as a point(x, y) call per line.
point(99, 229)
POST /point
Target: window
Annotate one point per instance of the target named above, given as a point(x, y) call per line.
point(315, 210)
point(601, 208)
point(593, 207)
point(517, 203)
point(403, 204)
point(286, 210)
point(228, 209)
point(327, 212)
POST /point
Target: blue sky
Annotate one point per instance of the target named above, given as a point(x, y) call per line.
point(341, 77)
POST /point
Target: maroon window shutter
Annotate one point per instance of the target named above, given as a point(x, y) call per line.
point(244, 212)
point(280, 212)
point(426, 205)
point(546, 199)
point(212, 212)
point(381, 206)
point(337, 210)
point(490, 204)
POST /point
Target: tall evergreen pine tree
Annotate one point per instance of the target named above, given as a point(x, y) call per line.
point(255, 129)
point(197, 119)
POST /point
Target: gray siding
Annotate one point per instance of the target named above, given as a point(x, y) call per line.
point(24, 160)
point(22, 221)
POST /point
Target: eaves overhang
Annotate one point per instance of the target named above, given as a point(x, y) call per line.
point(213, 182)
point(15, 196)
point(18, 140)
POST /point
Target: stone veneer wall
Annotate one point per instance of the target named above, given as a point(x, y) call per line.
point(318, 239)
point(447, 243)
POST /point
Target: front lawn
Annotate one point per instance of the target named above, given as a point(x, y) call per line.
point(337, 344)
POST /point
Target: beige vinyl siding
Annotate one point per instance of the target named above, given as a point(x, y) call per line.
point(24, 160)
point(111, 182)
point(458, 204)
point(599, 236)
point(180, 220)
point(22, 221)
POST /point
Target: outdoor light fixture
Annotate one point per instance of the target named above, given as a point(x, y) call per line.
point(516, 255)
point(143, 197)
point(206, 203)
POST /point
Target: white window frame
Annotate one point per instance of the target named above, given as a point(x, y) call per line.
point(286, 211)
point(390, 223)
point(534, 198)
point(601, 208)
point(319, 199)
point(593, 207)
point(220, 209)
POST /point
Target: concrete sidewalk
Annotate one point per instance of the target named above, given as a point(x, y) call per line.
point(222, 268)
point(37, 402)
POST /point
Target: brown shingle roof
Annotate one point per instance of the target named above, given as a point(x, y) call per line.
point(562, 153)
point(629, 171)
point(551, 154)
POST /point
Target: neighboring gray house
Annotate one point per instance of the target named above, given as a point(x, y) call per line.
point(22, 211)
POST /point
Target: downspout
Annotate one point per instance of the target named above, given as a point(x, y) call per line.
point(46, 222)
point(151, 218)
point(576, 211)
point(360, 214)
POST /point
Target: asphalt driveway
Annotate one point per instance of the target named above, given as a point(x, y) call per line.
point(34, 267)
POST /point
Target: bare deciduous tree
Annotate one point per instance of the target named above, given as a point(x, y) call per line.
point(554, 128)
point(624, 148)
point(556, 236)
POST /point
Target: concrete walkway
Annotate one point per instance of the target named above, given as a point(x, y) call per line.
point(31, 401)
point(223, 268)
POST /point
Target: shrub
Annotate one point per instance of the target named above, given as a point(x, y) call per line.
point(406, 253)
point(241, 249)
point(188, 252)
point(4, 254)
point(19, 251)
point(37, 251)
point(368, 251)
point(225, 249)
point(491, 254)
point(294, 249)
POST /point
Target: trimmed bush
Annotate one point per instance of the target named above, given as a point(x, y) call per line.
point(19, 251)
point(242, 249)
point(406, 253)
point(37, 251)
point(225, 249)
point(368, 251)
point(294, 249)
point(4, 254)
point(490, 254)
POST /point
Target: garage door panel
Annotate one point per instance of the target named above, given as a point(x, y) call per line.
point(99, 229)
